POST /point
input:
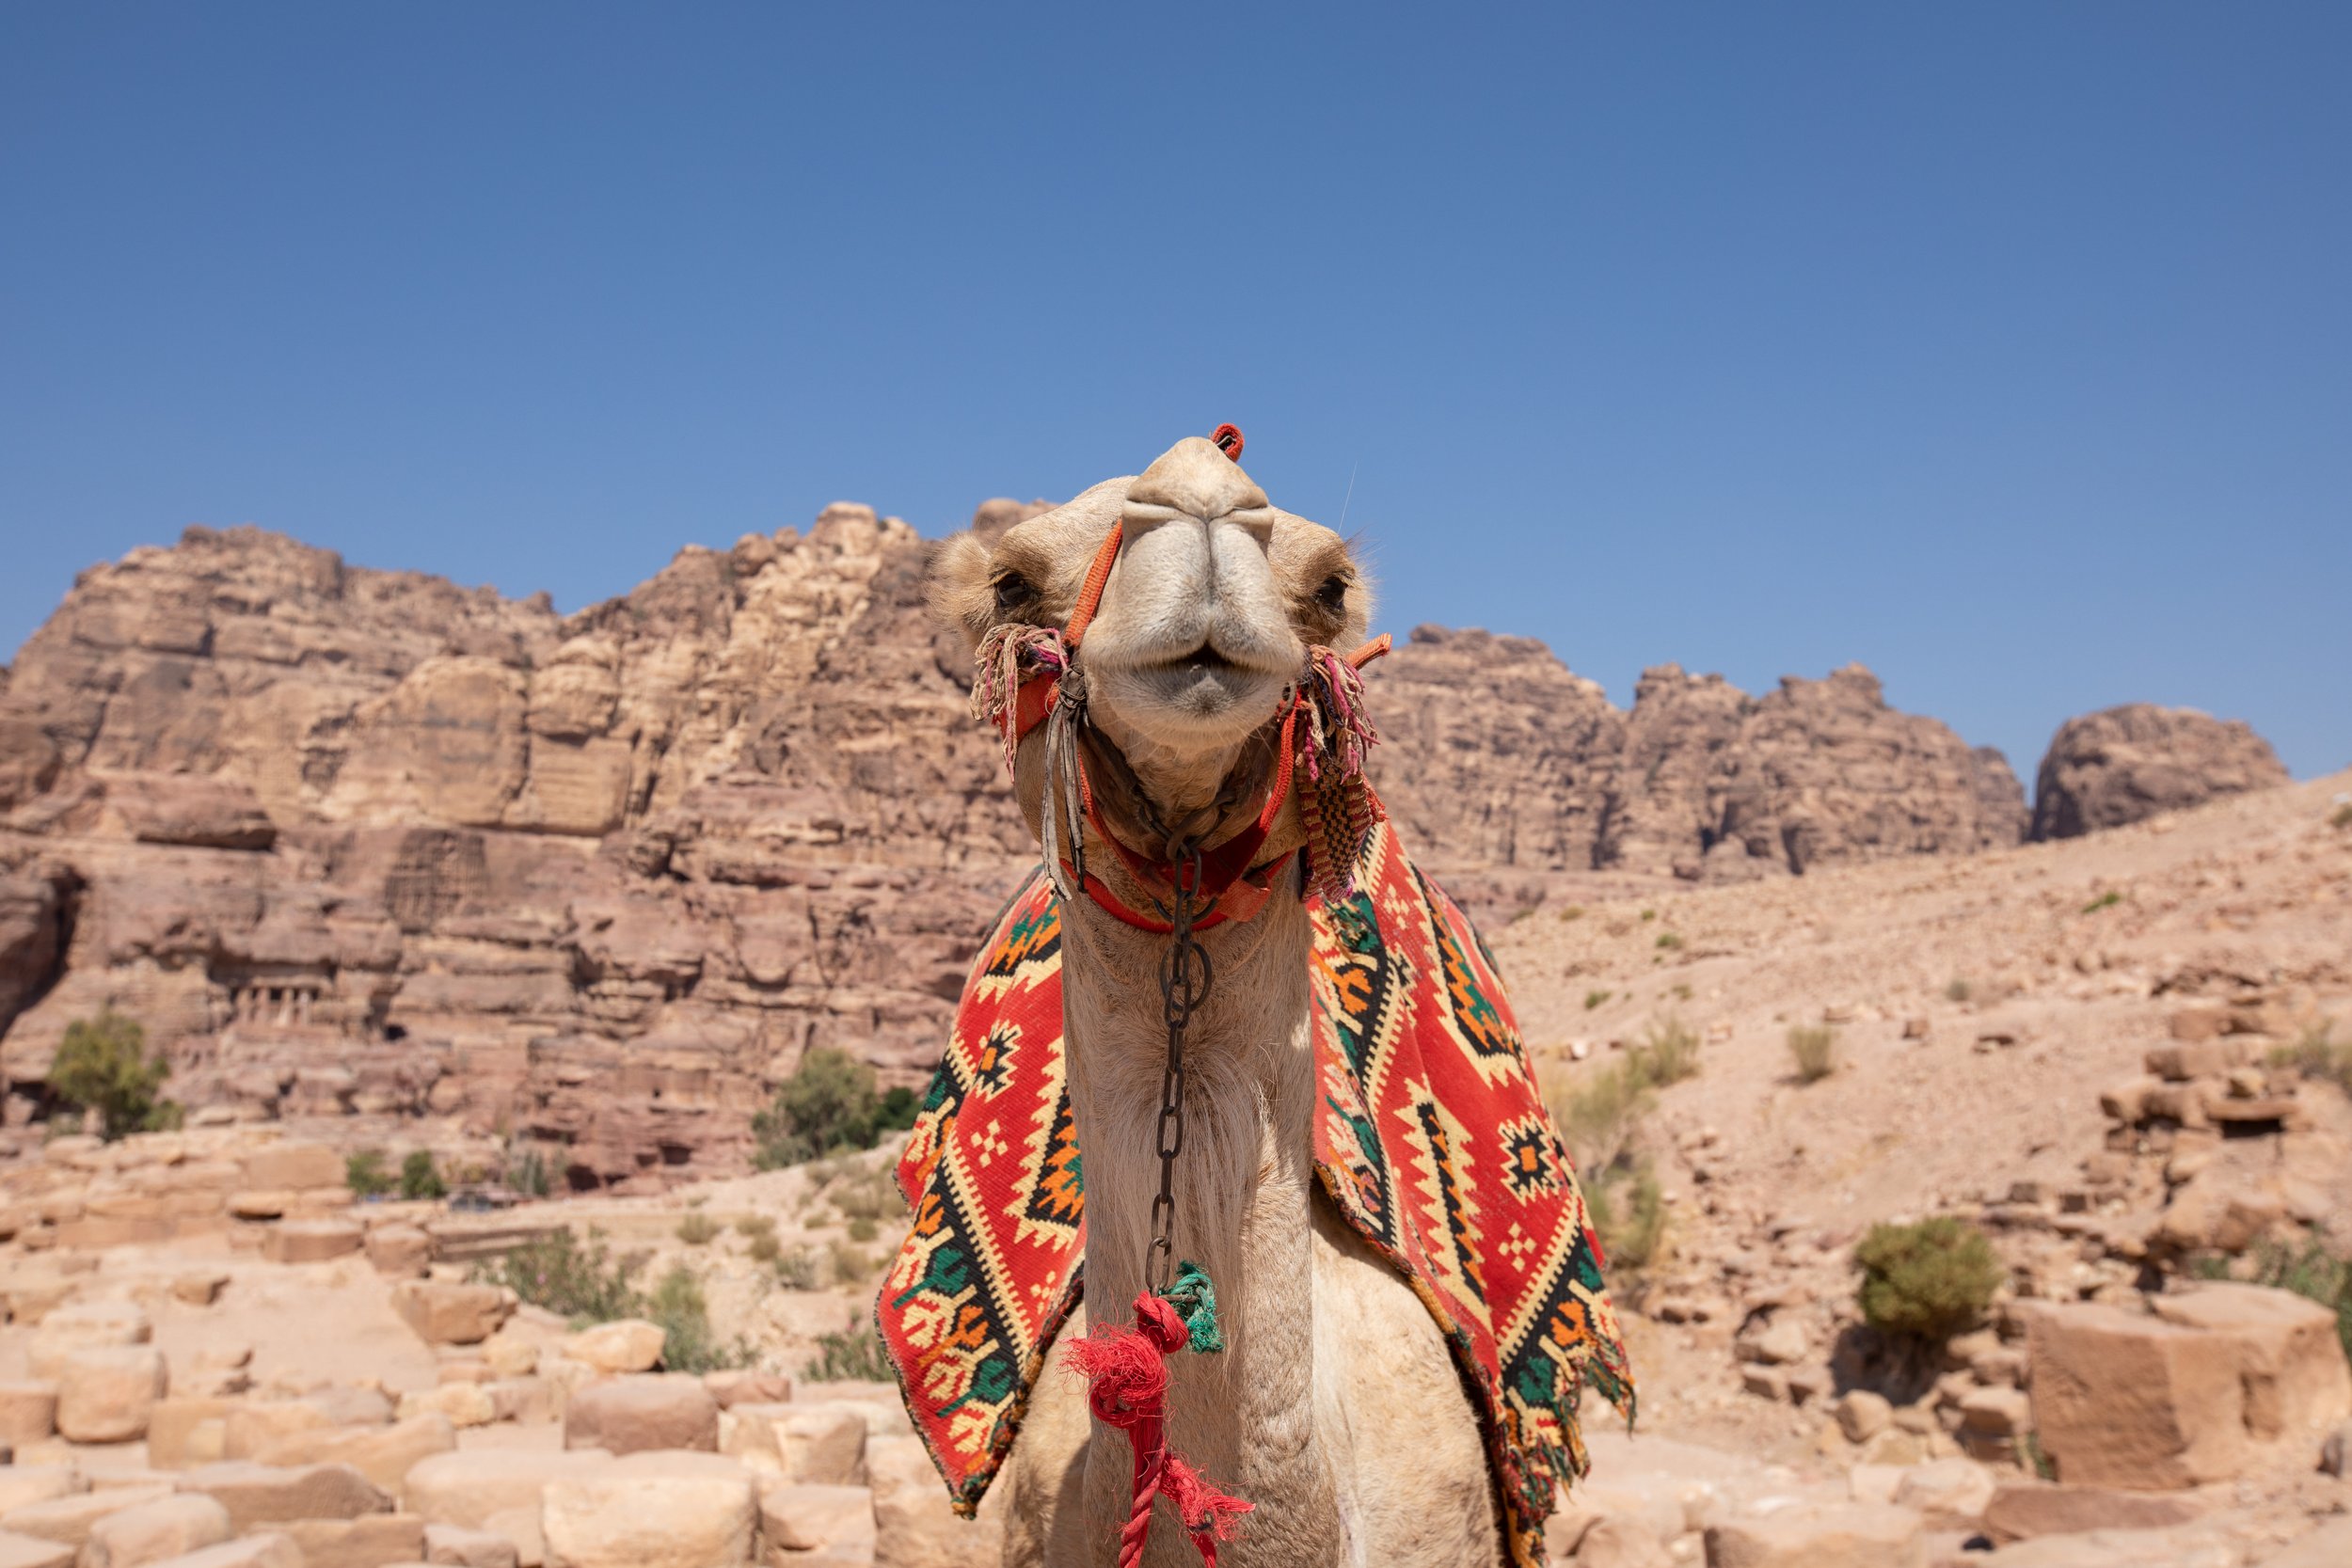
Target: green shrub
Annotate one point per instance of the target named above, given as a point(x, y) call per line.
point(1595, 998)
point(688, 1344)
point(1669, 940)
point(2107, 900)
point(577, 1279)
point(756, 1226)
point(697, 1229)
point(851, 1356)
point(849, 1263)
point(795, 1269)
point(829, 1103)
point(419, 1177)
point(1815, 1051)
point(365, 1174)
point(1628, 1212)
point(2310, 1271)
point(864, 1230)
point(102, 1066)
point(1928, 1280)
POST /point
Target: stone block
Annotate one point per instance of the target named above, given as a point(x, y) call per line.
point(653, 1511)
point(473, 1488)
point(448, 1313)
point(383, 1454)
point(107, 1395)
point(272, 1493)
point(2021, 1510)
point(642, 1413)
point(70, 1518)
point(400, 1251)
point(2290, 1362)
point(31, 1551)
point(151, 1531)
point(296, 1165)
point(468, 1548)
point(796, 1518)
point(1848, 1535)
point(913, 1526)
point(369, 1541)
point(312, 1240)
point(1947, 1493)
point(268, 1550)
point(28, 1412)
point(2127, 1399)
point(626, 1345)
point(173, 1422)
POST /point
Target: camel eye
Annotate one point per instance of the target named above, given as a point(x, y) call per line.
point(1332, 596)
point(1012, 591)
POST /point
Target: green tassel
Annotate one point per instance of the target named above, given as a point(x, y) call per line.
point(1195, 1300)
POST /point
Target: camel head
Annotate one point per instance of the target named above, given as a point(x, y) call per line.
point(1203, 625)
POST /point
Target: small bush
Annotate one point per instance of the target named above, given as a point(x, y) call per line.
point(578, 1280)
point(1596, 1113)
point(365, 1174)
point(1595, 998)
point(688, 1344)
point(830, 1102)
point(2343, 817)
point(756, 1226)
point(2318, 1056)
point(1928, 1280)
point(419, 1178)
point(1628, 1212)
point(1574, 911)
point(1669, 1052)
point(864, 1230)
point(2310, 1271)
point(849, 1263)
point(765, 1250)
point(795, 1269)
point(2107, 900)
point(102, 1066)
point(1958, 990)
point(697, 1229)
point(1815, 1051)
point(528, 1173)
point(1668, 940)
point(852, 1356)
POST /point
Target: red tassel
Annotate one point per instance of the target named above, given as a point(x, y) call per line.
point(1126, 1374)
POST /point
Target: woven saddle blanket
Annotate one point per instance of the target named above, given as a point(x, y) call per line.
point(1432, 1141)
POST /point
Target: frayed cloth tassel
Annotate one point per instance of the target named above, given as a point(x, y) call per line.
point(1126, 1374)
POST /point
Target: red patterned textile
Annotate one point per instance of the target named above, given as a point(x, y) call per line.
point(1433, 1142)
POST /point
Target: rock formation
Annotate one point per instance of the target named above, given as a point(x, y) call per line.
point(2122, 764)
point(356, 842)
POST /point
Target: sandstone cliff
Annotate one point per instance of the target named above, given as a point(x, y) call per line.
point(355, 842)
point(2122, 764)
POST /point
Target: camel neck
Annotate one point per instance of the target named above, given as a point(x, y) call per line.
point(1244, 1188)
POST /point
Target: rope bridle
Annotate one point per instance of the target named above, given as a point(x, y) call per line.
point(1029, 676)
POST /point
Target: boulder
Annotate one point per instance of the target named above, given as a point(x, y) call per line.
point(269, 1550)
point(383, 1454)
point(472, 1488)
point(2335, 1452)
point(247, 1428)
point(468, 1548)
point(270, 1493)
point(653, 1510)
point(2122, 764)
point(462, 1404)
point(21, 1484)
point(821, 1445)
point(70, 1518)
point(2125, 1399)
point(151, 1531)
point(401, 1251)
point(644, 1412)
point(2290, 1362)
point(2020, 1509)
point(107, 1395)
point(369, 1541)
point(625, 1345)
point(797, 1518)
point(28, 1412)
point(1947, 1493)
point(1862, 1415)
point(312, 1240)
point(446, 1313)
point(1811, 1535)
point(914, 1525)
point(735, 1386)
point(31, 1551)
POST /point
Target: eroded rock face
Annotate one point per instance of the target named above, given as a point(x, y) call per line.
point(2122, 764)
point(353, 843)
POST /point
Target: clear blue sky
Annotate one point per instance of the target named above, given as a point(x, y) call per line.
point(2006, 347)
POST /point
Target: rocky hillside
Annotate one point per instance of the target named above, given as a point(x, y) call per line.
point(355, 843)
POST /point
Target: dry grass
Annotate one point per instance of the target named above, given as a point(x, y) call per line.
point(1815, 1051)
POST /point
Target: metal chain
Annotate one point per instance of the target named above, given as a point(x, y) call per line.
point(1184, 977)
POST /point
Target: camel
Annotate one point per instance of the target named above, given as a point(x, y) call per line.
point(1335, 1409)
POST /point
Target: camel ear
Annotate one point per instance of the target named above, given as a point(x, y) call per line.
point(962, 600)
